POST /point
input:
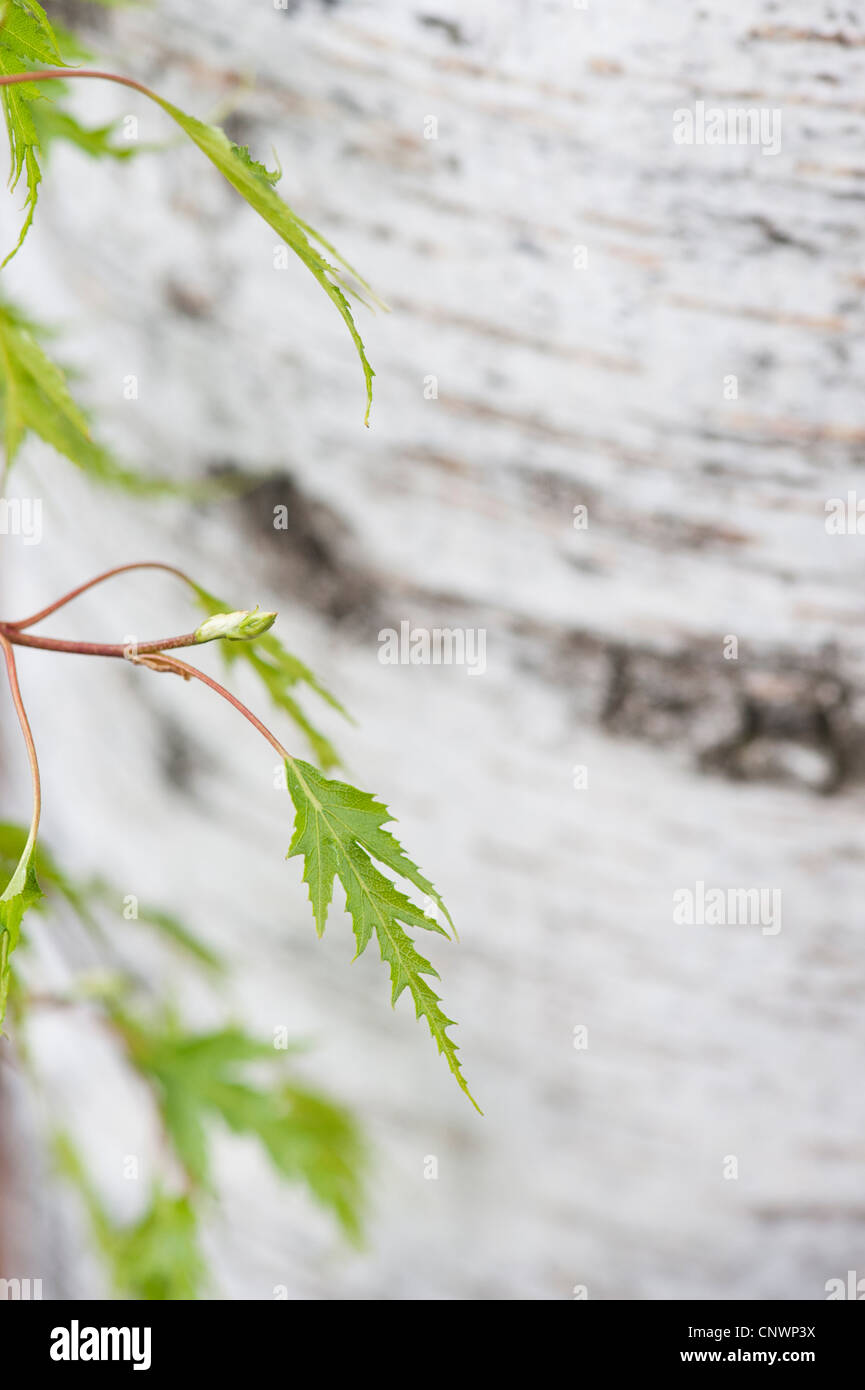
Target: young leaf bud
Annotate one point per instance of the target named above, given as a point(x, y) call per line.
point(236, 627)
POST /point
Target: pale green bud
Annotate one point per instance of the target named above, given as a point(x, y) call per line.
point(236, 627)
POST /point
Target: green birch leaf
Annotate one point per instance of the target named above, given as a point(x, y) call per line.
point(22, 892)
point(308, 1139)
point(52, 123)
point(255, 183)
point(34, 398)
point(339, 831)
point(91, 900)
point(158, 1258)
point(172, 930)
point(202, 1076)
point(26, 33)
point(26, 38)
point(23, 143)
point(155, 1258)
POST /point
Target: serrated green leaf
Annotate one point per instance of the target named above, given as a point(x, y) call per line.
point(33, 119)
point(23, 144)
point(34, 397)
point(172, 929)
point(26, 33)
point(26, 37)
point(88, 898)
point(52, 122)
point(22, 893)
point(271, 176)
point(254, 183)
point(30, 38)
point(201, 1076)
point(157, 1257)
point(308, 1139)
point(339, 831)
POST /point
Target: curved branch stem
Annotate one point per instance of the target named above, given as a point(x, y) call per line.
point(91, 584)
point(18, 638)
point(150, 654)
point(15, 689)
point(63, 74)
point(157, 662)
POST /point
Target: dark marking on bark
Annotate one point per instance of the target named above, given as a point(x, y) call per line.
point(449, 27)
point(307, 549)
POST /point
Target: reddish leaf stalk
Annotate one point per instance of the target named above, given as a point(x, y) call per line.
point(150, 653)
point(91, 584)
point(28, 740)
point(72, 648)
point(63, 74)
point(157, 662)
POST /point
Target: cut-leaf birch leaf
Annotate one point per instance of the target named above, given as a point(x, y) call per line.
point(339, 831)
point(202, 1076)
point(99, 142)
point(22, 890)
point(26, 37)
point(22, 893)
point(35, 398)
point(255, 183)
point(157, 1256)
point(247, 176)
point(94, 901)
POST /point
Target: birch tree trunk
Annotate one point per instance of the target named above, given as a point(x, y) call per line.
point(620, 382)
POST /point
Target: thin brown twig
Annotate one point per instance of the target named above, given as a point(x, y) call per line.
point(121, 650)
point(157, 662)
point(149, 654)
point(62, 75)
point(99, 579)
point(28, 740)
